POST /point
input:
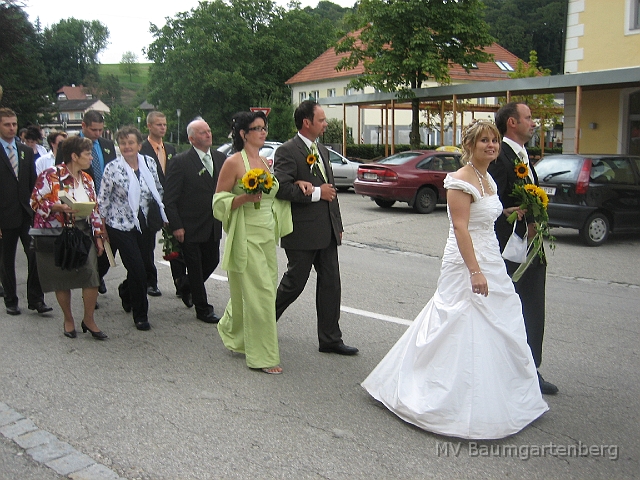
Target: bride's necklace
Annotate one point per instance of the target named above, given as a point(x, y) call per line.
point(481, 178)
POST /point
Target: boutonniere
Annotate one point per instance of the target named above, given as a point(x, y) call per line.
point(521, 169)
point(169, 156)
point(201, 172)
point(107, 151)
point(312, 161)
point(21, 155)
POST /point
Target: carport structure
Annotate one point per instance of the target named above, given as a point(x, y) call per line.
point(445, 99)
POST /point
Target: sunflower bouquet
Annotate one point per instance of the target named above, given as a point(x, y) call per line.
point(255, 181)
point(534, 200)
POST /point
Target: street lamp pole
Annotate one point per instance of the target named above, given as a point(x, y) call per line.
point(178, 112)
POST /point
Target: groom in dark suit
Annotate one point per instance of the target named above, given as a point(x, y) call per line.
point(517, 127)
point(17, 178)
point(190, 183)
point(317, 225)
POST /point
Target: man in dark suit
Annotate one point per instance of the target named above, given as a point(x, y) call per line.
point(17, 178)
point(190, 183)
point(162, 153)
point(517, 127)
point(317, 225)
point(103, 152)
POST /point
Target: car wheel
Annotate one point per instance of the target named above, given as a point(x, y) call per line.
point(595, 230)
point(384, 203)
point(425, 201)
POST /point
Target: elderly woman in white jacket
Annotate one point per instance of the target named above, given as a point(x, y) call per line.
point(130, 196)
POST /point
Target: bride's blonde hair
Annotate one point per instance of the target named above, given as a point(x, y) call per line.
point(472, 132)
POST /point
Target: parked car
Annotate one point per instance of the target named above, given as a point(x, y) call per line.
point(344, 170)
point(414, 176)
point(268, 150)
point(597, 194)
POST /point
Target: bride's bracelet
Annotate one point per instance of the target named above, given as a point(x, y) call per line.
point(471, 274)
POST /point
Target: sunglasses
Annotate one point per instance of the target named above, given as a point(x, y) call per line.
point(258, 129)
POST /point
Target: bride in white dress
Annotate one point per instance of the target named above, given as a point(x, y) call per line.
point(463, 368)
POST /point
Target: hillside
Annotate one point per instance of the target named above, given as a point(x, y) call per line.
point(131, 90)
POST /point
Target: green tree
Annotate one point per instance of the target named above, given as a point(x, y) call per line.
point(333, 134)
point(236, 53)
point(129, 64)
point(404, 43)
point(70, 50)
point(524, 25)
point(24, 86)
point(119, 116)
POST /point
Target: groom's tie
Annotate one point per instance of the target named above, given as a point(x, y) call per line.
point(316, 152)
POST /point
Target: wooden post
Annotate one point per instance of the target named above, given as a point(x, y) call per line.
point(508, 96)
point(455, 119)
point(344, 129)
point(576, 139)
point(441, 123)
point(542, 137)
point(386, 130)
point(359, 127)
point(393, 127)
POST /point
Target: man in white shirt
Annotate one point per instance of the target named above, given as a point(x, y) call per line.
point(46, 161)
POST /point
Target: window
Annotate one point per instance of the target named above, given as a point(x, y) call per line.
point(504, 66)
point(482, 101)
point(331, 92)
point(314, 95)
point(303, 96)
point(351, 91)
point(634, 14)
point(77, 115)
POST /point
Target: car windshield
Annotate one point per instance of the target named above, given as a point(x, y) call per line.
point(558, 169)
point(400, 158)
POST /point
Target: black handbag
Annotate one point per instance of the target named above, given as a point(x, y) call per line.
point(71, 248)
point(154, 218)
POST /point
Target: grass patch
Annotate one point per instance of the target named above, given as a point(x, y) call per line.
point(114, 69)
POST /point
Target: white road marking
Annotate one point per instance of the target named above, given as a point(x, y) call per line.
point(354, 311)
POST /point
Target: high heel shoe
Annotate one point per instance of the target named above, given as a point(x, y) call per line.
point(97, 335)
point(71, 334)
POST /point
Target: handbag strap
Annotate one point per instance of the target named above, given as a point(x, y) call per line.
point(69, 221)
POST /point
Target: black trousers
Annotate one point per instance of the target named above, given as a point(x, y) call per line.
point(149, 240)
point(328, 288)
point(10, 237)
point(531, 290)
point(132, 253)
point(201, 260)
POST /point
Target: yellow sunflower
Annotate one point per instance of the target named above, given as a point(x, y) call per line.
point(311, 159)
point(539, 193)
point(250, 180)
point(522, 171)
point(268, 181)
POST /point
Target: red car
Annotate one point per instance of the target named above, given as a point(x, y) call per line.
point(415, 177)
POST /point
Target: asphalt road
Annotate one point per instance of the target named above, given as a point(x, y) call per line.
point(172, 403)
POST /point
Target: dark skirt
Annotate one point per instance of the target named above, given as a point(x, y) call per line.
point(53, 278)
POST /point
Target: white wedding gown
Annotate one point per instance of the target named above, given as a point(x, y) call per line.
point(463, 368)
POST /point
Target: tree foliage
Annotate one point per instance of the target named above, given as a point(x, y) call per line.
point(24, 89)
point(524, 25)
point(70, 50)
point(404, 43)
point(129, 64)
point(222, 57)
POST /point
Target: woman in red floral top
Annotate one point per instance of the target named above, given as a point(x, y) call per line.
point(50, 213)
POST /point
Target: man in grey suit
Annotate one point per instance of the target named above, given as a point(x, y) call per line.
point(317, 225)
point(190, 183)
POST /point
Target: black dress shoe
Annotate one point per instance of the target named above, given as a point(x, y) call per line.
point(546, 388)
point(143, 325)
point(340, 349)
point(15, 310)
point(99, 335)
point(102, 288)
point(71, 334)
point(41, 307)
point(187, 300)
point(153, 291)
point(208, 317)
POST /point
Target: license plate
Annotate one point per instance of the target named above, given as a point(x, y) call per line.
point(549, 190)
point(370, 176)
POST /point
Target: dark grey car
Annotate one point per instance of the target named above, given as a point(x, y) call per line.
point(596, 194)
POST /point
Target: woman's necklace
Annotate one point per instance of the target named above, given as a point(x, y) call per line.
point(481, 178)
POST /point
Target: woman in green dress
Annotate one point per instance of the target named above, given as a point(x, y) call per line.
point(249, 322)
